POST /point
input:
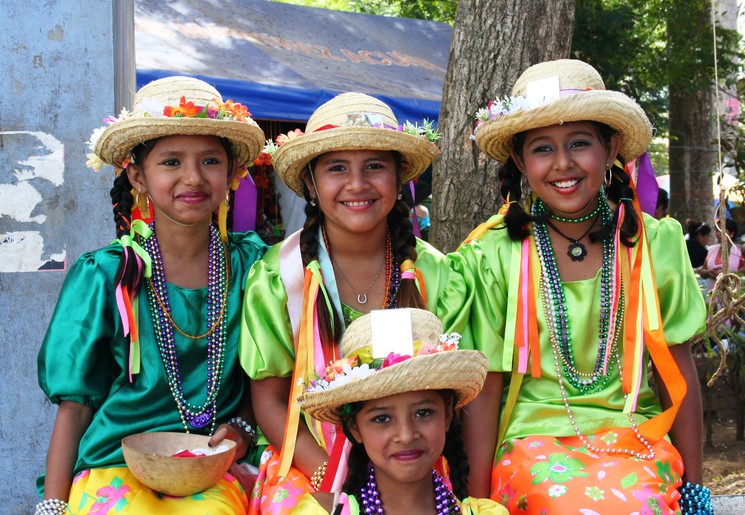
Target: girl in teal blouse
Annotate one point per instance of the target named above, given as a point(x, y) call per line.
point(145, 333)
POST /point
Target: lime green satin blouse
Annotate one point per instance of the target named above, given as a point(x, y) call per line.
point(485, 265)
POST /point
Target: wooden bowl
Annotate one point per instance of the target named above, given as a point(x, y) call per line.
point(149, 457)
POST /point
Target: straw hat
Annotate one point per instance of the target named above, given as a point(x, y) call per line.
point(582, 97)
point(148, 120)
point(462, 371)
point(347, 122)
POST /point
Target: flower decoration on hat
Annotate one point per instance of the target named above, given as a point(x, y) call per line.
point(361, 365)
point(153, 108)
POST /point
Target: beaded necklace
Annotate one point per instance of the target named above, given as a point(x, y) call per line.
point(554, 302)
point(217, 292)
point(445, 500)
point(579, 219)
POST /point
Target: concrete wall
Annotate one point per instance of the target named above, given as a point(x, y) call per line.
point(56, 85)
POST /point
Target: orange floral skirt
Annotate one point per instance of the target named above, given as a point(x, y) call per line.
point(543, 475)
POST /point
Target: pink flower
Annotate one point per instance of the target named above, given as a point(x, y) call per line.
point(111, 496)
point(394, 358)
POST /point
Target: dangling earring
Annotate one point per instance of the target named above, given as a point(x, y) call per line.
point(143, 204)
point(608, 177)
point(227, 197)
point(312, 202)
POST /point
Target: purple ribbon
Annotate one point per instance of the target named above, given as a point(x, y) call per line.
point(646, 185)
point(244, 205)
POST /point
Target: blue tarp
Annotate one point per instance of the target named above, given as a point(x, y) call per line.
point(283, 60)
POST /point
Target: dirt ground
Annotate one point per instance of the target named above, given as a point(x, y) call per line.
point(724, 464)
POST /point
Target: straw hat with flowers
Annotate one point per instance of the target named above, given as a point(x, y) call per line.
point(354, 121)
point(171, 106)
point(555, 92)
point(436, 364)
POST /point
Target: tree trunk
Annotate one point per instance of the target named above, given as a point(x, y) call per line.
point(692, 153)
point(494, 41)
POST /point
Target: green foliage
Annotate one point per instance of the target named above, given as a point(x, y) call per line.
point(433, 10)
point(640, 47)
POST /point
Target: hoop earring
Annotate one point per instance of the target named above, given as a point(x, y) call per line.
point(227, 197)
point(608, 178)
point(399, 196)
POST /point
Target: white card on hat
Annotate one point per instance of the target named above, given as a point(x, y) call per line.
point(391, 332)
point(543, 91)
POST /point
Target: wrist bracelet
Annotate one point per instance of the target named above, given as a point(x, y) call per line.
point(51, 507)
point(317, 478)
point(695, 499)
point(245, 426)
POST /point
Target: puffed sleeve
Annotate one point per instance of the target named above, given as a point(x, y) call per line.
point(476, 506)
point(681, 302)
point(75, 362)
point(485, 267)
point(267, 347)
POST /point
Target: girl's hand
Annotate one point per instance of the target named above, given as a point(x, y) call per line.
point(243, 440)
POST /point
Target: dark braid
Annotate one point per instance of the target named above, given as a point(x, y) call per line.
point(358, 458)
point(516, 220)
point(329, 325)
point(455, 454)
point(128, 273)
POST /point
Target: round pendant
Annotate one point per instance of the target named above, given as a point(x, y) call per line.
point(201, 420)
point(576, 251)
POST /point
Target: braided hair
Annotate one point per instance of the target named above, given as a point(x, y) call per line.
point(453, 452)
point(517, 221)
point(403, 247)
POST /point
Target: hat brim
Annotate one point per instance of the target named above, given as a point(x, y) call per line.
point(612, 108)
point(118, 140)
point(462, 371)
point(291, 158)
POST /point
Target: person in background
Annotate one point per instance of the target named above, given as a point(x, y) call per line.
point(663, 202)
point(714, 262)
point(697, 239)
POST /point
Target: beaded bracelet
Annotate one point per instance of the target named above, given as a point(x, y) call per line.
point(695, 499)
point(245, 426)
point(317, 478)
point(51, 507)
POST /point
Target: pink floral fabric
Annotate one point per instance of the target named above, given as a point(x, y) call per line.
point(279, 498)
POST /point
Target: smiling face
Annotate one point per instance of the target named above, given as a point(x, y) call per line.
point(565, 165)
point(356, 189)
point(186, 178)
point(403, 435)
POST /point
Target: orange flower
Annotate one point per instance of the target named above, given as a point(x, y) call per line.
point(264, 159)
point(336, 367)
point(239, 111)
point(184, 109)
point(284, 138)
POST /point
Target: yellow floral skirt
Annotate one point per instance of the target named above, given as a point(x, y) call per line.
point(115, 490)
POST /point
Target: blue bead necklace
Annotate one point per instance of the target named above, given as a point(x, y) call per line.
point(194, 416)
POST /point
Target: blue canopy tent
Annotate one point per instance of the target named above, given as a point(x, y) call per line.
point(283, 61)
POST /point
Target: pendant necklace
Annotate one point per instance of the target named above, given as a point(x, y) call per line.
point(361, 297)
point(576, 250)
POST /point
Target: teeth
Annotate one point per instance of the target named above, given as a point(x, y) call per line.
point(566, 184)
point(358, 204)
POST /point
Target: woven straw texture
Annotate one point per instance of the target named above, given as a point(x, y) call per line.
point(291, 158)
point(462, 371)
point(596, 104)
point(120, 138)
